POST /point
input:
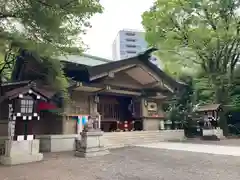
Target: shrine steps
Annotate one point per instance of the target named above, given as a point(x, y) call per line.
point(123, 139)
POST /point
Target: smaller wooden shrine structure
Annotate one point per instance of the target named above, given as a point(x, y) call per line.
point(209, 121)
point(19, 116)
point(210, 110)
point(19, 109)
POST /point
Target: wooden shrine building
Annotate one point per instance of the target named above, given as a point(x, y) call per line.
point(126, 94)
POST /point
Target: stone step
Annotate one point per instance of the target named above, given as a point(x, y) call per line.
point(132, 141)
point(110, 134)
point(121, 139)
point(119, 145)
point(136, 133)
point(134, 137)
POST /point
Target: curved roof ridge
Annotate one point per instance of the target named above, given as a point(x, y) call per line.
point(96, 57)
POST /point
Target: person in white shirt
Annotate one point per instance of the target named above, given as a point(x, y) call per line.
point(206, 121)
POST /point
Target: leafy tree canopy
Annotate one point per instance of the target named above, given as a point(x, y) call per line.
point(47, 27)
point(195, 33)
point(180, 107)
point(235, 90)
point(50, 26)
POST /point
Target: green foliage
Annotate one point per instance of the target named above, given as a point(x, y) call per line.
point(54, 23)
point(181, 106)
point(204, 93)
point(55, 76)
point(201, 35)
point(204, 90)
point(235, 90)
point(49, 28)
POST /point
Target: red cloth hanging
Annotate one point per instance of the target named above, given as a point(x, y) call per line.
point(45, 106)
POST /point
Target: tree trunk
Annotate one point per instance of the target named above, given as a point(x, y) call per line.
point(221, 98)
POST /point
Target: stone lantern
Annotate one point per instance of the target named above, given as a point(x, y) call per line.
point(92, 142)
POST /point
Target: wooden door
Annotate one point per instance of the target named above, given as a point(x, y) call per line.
point(108, 108)
point(137, 110)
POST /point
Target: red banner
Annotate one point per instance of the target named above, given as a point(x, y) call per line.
point(45, 106)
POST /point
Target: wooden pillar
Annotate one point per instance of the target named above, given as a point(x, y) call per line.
point(144, 107)
point(160, 112)
point(93, 104)
point(64, 124)
point(144, 112)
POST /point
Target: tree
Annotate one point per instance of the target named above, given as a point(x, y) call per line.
point(204, 94)
point(200, 34)
point(48, 28)
point(180, 107)
point(235, 90)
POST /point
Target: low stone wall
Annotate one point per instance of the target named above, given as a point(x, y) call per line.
point(66, 142)
point(57, 143)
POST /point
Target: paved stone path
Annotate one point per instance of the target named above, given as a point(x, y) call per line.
point(223, 142)
point(200, 148)
point(135, 163)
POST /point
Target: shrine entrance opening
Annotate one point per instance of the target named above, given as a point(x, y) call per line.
point(118, 113)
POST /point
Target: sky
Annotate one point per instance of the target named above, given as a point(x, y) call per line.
point(117, 15)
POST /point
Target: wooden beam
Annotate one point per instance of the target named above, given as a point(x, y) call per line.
point(157, 78)
point(87, 89)
point(101, 88)
point(123, 92)
point(110, 89)
point(112, 72)
point(98, 88)
point(152, 85)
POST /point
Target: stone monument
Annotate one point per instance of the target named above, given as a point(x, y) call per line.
point(92, 142)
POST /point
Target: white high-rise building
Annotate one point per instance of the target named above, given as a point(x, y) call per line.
point(128, 43)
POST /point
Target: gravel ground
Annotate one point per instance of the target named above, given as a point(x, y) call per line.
point(128, 164)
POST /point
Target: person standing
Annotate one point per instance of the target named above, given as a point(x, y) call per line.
point(206, 121)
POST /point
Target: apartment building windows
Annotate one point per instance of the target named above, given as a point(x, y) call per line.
point(131, 46)
point(131, 52)
point(122, 52)
point(130, 34)
point(128, 44)
point(130, 40)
